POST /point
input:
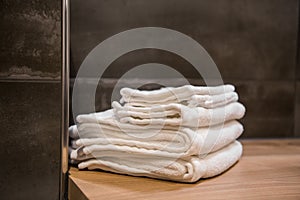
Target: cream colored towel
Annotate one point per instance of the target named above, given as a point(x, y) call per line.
point(170, 94)
point(180, 134)
point(205, 101)
point(181, 143)
point(178, 114)
point(190, 169)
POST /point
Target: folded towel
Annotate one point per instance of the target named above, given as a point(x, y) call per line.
point(189, 169)
point(178, 114)
point(171, 94)
point(205, 101)
point(182, 142)
point(108, 117)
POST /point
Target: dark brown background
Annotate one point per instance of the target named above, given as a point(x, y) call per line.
point(253, 42)
point(30, 99)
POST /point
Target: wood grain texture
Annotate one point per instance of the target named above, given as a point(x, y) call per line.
point(269, 169)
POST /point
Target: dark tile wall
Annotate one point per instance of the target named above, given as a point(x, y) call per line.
point(270, 108)
point(30, 100)
point(253, 42)
point(247, 39)
point(30, 116)
point(30, 38)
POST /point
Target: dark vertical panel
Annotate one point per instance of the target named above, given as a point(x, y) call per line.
point(30, 39)
point(30, 100)
point(30, 143)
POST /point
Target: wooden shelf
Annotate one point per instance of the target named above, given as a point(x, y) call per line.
point(269, 169)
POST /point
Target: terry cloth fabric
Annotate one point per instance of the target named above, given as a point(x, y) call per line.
point(178, 114)
point(171, 94)
point(190, 169)
point(180, 134)
point(108, 136)
point(205, 101)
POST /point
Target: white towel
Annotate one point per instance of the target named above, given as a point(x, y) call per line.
point(171, 94)
point(189, 169)
point(108, 117)
point(205, 101)
point(106, 129)
point(180, 143)
point(178, 114)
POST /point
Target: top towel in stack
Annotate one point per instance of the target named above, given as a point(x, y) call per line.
point(188, 106)
point(163, 133)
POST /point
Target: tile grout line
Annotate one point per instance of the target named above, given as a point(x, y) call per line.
point(30, 80)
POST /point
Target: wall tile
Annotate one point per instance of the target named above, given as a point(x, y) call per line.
point(30, 39)
point(266, 99)
point(135, 58)
point(30, 143)
point(253, 40)
point(297, 110)
point(270, 107)
point(267, 128)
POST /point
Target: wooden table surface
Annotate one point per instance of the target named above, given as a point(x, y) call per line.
point(269, 169)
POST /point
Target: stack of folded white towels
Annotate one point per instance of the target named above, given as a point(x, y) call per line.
point(174, 133)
